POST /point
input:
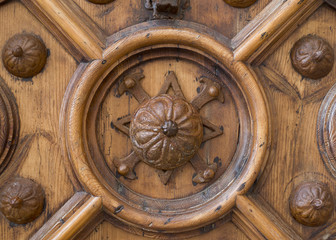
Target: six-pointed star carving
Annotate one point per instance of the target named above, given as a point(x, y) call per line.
point(209, 91)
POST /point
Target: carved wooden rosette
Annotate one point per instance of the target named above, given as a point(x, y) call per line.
point(24, 55)
point(166, 132)
point(312, 57)
point(9, 125)
point(126, 69)
point(311, 204)
point(240, 3)
point(21, 200)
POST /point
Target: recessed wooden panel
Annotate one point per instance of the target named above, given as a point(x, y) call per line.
point(106, 230)
point(294, 106)
point(215, 14)
point(39, 99)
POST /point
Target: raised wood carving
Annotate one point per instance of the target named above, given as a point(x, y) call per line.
point(312, 57)
point(166, 131)
point(311, 204)
point(100, 84)
point(240, 3)
point(21, 200)
point(24, 55)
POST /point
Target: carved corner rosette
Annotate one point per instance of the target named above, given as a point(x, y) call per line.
point(24, 55)
point(312, 57)
point(166, 130)
point(311, 204)
point(21, 200)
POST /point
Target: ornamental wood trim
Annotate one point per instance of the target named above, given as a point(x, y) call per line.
point(75, 30)
point(278, 19)
point(69, 220)
point(268, 224)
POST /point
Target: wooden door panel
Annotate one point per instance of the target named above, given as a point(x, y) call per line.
point(37, 155)
point(258, 131)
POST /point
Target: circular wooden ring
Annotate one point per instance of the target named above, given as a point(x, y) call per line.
point(90, 76)
point(326, 131)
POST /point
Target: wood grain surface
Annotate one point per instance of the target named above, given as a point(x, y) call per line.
point(68, 140)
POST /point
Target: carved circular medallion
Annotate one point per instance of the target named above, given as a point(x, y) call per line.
point(100, 1)
point(24, 55)
point(311, 204)
point(240, 3)
point(21, 200)
point(166, 131)
point(159, 85)
point(312, 57)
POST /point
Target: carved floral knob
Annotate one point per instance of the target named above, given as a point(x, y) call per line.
point(21, 200)
point(166, 131)
point(312, 57)
point(240, 3)
point(311, 204)
point(24, 55)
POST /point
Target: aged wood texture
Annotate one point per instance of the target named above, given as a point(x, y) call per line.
point(150, 217)
point(37, 155)
point(71, 26)
point(275, 23)
point(215, 14)
point(167, 202)
point(294, 104)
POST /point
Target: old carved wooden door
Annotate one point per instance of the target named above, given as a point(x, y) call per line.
point(167, 119)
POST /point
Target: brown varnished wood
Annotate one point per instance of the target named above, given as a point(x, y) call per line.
point(265, 130)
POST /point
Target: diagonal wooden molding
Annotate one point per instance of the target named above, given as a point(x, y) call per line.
point(71, 26)
point(274, 24)
point(252, 216)
point(331, 3)
point(72, 218)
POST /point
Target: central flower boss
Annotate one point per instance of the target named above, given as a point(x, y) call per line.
point(166, 132)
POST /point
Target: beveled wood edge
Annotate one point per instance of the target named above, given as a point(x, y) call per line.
point(71, 218)
point(71, 26)
point(62, 215)
point(252, 216)
point(332, 3)
point(278, 19)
